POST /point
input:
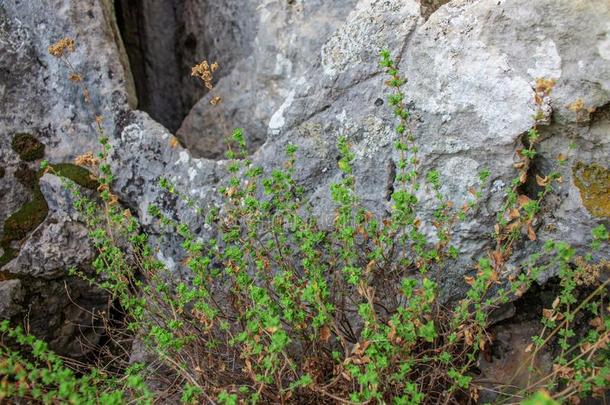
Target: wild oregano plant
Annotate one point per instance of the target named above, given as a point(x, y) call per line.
point(278, 309)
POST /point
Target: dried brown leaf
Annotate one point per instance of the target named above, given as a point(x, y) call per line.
point(530, 232)
point(522, 200)
point(324, 333)
point(497, 257)
point(523, 176)
point(542, 181)
point(556, 303)
point(597, 323)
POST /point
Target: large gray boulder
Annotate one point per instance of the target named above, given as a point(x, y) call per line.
point(37, 96)
point(38, 99)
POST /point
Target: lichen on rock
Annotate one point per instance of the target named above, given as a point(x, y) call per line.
point(593, 182)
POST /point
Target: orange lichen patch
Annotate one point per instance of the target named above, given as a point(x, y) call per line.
point(593, 182)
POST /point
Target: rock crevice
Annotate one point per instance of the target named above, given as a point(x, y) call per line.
point(165, 38)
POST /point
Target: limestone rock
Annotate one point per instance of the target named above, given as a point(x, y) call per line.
point(59, 243)
point(61, 309)
point(37, 94)
point(165, 38)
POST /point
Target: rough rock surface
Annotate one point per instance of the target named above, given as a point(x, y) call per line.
point(59, 242)
point(55, 109)
point(472, 91)
point(65, 313)
point(471, 68)
point(285, 45)
point(430, 6)
point(52, 305)
point(165, 38)
point(37, 96)
point(39, 99)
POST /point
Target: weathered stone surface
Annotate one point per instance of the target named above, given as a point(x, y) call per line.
point(472, 67)
point(430, 6)
point(59, 243)
point(37, 96)
point(509, 359)
point(54, 108)
point(39, 99)
point(165, 38)
point(65, 313)
point(285, 45)
point(61, 309)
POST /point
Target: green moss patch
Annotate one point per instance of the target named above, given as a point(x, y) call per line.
point(26, 218)
point(28, 147)
point(9, 254)
point(77, 174)
point(593, 182)
point(21, 222)
point(31, 214)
